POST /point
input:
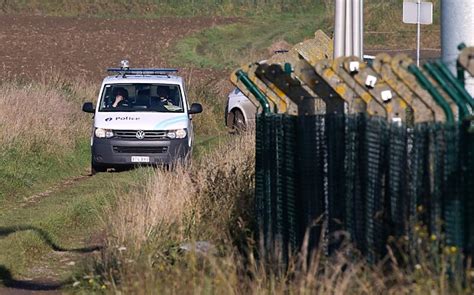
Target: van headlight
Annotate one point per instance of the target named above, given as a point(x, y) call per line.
point(180, 133)
point(103, 133)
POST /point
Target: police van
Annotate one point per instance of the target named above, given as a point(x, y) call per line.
point(142, 116)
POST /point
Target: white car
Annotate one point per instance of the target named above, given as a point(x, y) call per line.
point(240, 112)
point(142, 116)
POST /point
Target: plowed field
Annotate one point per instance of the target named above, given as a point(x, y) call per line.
point(32, 45)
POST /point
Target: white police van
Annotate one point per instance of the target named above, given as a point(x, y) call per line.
point(142, 117)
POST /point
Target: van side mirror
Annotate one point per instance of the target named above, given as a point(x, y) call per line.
point(196, 108)
point(88, 108)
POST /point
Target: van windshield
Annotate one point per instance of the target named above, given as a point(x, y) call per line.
point(140, 97)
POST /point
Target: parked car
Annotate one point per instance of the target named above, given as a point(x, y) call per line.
point(142, 116)
point(240, 111)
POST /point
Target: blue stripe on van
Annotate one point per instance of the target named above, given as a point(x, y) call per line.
point(166, 123)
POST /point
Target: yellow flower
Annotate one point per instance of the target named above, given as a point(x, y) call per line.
point(453, 249)
point(434, 237)
point(91, 281)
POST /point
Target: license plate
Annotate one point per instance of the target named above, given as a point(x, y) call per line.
point(137, 159)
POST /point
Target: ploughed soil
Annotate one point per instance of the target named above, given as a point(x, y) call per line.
point(35, 46)
point(39, 46)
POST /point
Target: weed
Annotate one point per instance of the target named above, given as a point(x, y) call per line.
point(188, 232)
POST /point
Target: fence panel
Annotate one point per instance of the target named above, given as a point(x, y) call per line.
point(323, 174)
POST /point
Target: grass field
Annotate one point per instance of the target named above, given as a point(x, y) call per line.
point(44, 187)
point(141, 222)
point(228, 46)
point(46, 138)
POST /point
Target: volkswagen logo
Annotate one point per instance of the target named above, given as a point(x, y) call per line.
point(140, 134)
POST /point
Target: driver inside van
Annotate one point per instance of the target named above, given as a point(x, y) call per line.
point(121, 97)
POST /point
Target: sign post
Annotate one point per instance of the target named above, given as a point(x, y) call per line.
point(418, 31)
point(419, 13)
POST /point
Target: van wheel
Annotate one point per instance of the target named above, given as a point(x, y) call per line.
point(96, 168)
point(239, 122)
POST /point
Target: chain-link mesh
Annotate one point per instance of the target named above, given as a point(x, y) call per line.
point(260, 181)
point(417, 147)
point(275, 183)
point(374, 177)
point(334, 198)
point(453, 207)
point(397, 180)
point(437, 151)
point(363, 175)
point(467, 160)
point(353, 176)
point(311, 176)
point(289, 174)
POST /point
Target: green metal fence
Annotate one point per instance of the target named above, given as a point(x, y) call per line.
point(323, 174)
point(381, 151)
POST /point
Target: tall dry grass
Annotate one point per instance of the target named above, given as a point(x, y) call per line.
point(199, 201)
point(44, 115)
point(211, 201)
point(208, 200)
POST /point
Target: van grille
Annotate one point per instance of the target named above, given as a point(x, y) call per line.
point(140, 149)
point(131, 134)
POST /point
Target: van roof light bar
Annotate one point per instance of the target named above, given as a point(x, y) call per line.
point(125, 70)
point(141, 71)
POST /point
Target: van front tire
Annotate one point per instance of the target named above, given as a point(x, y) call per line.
point(96, 168)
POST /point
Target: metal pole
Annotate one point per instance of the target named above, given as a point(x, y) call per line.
point(455, 82)
point(361, 26)
point(356, 28)
point(457, 23)
point(339, 27)
point(262, 99)
point(433, 92)
point(451, 91)
point(418, 31)
point(348, 46)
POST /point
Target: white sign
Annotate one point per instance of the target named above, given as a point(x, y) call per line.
point(419, 13)
point(410, 12)
point(386, 95)
point(370, 81)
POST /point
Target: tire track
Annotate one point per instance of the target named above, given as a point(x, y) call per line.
point(63, 185)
